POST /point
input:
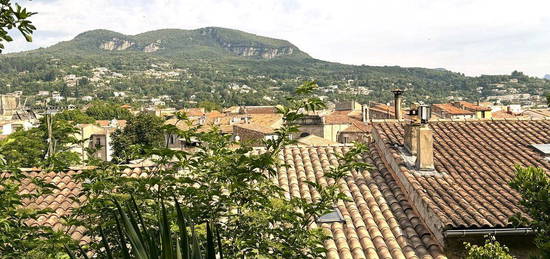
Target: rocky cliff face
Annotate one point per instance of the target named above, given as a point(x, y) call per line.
point(267, 53)
point(116, 44)
point(155, 46)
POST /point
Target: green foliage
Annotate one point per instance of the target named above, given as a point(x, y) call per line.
point(142, 132)
point(14, 16)
point(24, 148)
point(107, 111)
point(492, 249)
point(209, 106)
point(534, 186)
point(231, 188)
point(159, 241)
point(76, 116)
point(548, 99)
point(19, 238)
point(30, 148)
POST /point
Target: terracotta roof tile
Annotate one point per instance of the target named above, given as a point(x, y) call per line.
point(502, 115)
point(260, 109)
point(256, 127)
point(450, 109)
point(475, 161)
point(471, 107)
point(379, 222)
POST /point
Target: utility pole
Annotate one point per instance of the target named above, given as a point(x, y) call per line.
point(51, 146)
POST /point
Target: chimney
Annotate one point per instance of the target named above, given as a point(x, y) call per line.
point(411, 137)
point(425, 152)
point(365, 112)
point(397, 95)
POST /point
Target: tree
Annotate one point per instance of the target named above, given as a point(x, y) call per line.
point(142, 132)
point(492, 249)
point(209, 106)
point(76, 116)
point(30, 148)
point(14, 16)
point(227, 186)
point(107, 111)
point(534, 186)
point(548, 99)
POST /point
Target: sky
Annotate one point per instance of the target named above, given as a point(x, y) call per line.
point(469, 36)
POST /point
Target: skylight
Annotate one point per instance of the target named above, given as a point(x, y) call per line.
point(332, 217)
point(543, 148)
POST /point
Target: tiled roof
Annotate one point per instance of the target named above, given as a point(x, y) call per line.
point(450, 109)
point(260, 109)
point(379, 222)
point(474, 162)
point(256, 127)
point(341, 117)
point(59, 201)
point(383, 107)
point(313, 140)
point(472, 107)
point(105, 123)
point(358, 126)
point(226, 122)
point(194, 112)
point(537, 113)
point(502, 115)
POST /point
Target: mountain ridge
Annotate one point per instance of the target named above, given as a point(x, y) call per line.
point(197, 43)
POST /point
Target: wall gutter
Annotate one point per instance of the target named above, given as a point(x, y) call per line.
point(488, 231)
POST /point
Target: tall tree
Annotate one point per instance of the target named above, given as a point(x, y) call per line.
point(142, 132)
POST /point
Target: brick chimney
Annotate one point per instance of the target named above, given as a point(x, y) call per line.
point(397, 99)
point(425, 148)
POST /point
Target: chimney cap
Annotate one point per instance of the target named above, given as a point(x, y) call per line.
point(397, 91)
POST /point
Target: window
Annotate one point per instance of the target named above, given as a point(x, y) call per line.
point(543, 148)
point(97, 142)
point(335, 216)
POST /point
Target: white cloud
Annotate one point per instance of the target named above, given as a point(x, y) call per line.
point(470, 36)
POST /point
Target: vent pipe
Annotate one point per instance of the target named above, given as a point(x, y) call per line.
point(397, 99)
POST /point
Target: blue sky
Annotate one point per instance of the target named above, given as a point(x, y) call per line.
point(470, 36)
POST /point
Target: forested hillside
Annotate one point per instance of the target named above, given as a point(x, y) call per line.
point(228, 67)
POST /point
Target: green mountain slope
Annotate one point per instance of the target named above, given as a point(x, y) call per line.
point(228, 67)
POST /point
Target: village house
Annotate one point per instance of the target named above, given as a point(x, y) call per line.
point(449, 111)
point(481, 112)
point(96, 137)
